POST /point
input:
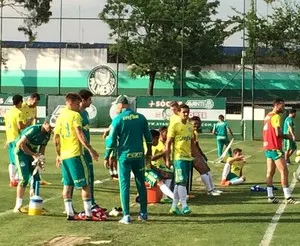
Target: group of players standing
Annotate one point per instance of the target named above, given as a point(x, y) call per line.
point(175, 146)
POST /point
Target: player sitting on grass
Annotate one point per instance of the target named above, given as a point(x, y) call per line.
point(200, 161)
point(158, 174)
point(233, 169)
point(30, 146)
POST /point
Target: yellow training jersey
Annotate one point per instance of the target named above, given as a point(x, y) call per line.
point(28, 113)
point(174, 118)
point(156, 150)
point(66, 123)
point(236, 166)
point(182, 135)
point(12, 118)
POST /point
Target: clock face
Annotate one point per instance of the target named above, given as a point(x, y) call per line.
point(102, 81)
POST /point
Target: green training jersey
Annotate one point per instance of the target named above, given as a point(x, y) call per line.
point(85, 124)
point(289, 121)
point(221, 130)
point(35, 137)
point(128, 129)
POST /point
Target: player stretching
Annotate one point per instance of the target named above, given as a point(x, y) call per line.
point(220, 130)
point(181, 135)
point(13, 126)
point(30, 146)
point(289, 128)
point(233, 169)
point(68, 138)
point(200, 161)
point(272, 137)
point(126, 134)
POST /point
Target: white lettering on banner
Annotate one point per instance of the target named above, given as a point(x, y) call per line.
point(160, 104)
point(164, 114)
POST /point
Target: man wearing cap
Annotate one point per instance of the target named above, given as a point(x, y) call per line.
point(126, 135)
point(30, 147)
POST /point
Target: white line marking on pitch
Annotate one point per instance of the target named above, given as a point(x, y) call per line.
point(11, 210)
point(217, 148)
point(273, 224)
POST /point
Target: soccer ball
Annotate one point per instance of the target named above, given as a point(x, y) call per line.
point(297, 159)
point(298, 153)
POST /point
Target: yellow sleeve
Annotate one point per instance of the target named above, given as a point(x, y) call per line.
point(171, 131)
point(57, 126)
point(276, 121)
point(229, 159)
point(77, 122)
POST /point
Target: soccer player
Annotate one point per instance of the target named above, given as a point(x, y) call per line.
point(157, 173)
point(289, 128)
point(272, 142)
point(174, 107)
point(181, 135)
point(29, 109)
point(13, 127)
point(233, 169)
point(221, 130)
point(86, 101)
point(129, 128)
point(113, 163)
point(68, 139)
point(30, 146)
point(200, 161)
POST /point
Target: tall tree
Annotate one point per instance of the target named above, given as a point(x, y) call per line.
point(152, 35)
point(35, 13)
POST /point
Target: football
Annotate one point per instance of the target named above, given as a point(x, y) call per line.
point(298, 152)
point(297, 159)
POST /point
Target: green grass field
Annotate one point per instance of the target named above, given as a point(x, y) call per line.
point(237, 217)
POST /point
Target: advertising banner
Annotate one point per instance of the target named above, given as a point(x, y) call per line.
point(6, 104)
point(99, 112)
point(157, 109)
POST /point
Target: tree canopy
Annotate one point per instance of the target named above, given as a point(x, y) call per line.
point(159, 37)
point(35, 13)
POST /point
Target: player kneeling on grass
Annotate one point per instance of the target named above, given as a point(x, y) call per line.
point(200, 161)
point(158, 174)
point(30, 147)
point(233, 169)
point(69, 139)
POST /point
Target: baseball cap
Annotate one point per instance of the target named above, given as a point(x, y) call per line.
point(121, 99)
point(49, 120)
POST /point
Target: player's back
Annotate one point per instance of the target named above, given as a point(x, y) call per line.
point(131, 133)
point(221, 129)
point(12, 118)
point(66, 125)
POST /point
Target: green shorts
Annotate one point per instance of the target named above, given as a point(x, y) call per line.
point(273, 154)
point(289, 144)
point(75, 172)
point(182, 170)
point(232, 176)
point(152, 177)
point(24, 167)
point(87, 157)
point(11, 152)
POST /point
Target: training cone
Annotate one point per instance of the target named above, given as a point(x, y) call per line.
point(36, 202)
